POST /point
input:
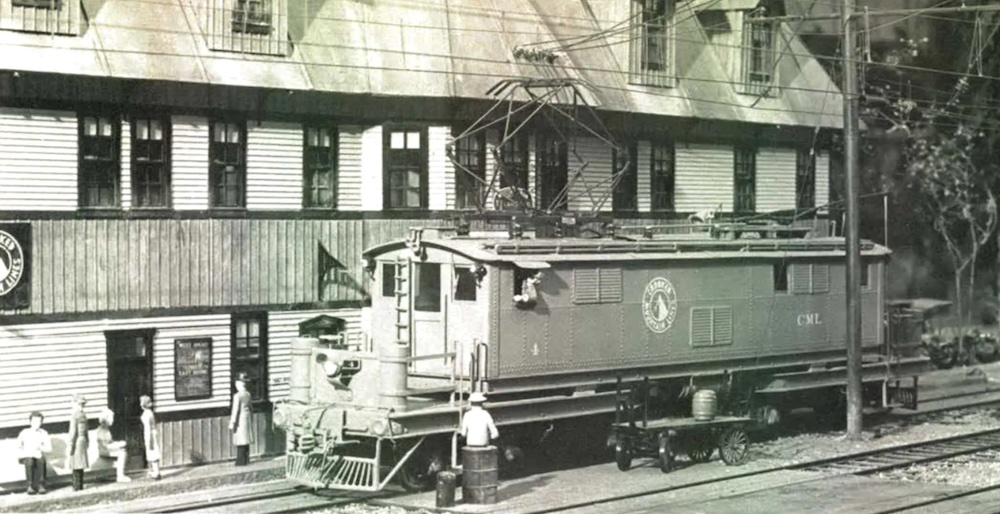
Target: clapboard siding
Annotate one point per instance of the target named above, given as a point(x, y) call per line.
point(189, 152)
point(65, 21)
point(282, 327)
point(593, 186)
point(776, 179)
point(643, 170)
point(274, 166)
point(126, 165)
point(371, 169)
point(440, 170)
point(38, 169)
point(108, 265)
point(349, 166)
point(822, 179)
point(704, 177)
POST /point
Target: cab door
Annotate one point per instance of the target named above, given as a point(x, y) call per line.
point(429, 284)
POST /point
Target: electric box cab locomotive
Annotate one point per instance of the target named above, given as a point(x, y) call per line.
point(550, 327)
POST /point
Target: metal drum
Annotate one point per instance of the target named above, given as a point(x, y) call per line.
point(704, 405)
point(479, 474)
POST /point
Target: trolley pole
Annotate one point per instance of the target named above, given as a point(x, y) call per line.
point(852, 229)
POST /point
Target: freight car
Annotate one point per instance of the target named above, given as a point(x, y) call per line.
point(549, 325)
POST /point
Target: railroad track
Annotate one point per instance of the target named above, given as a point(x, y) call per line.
point(860, 463)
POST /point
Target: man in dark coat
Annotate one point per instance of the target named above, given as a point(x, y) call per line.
point(79, 440)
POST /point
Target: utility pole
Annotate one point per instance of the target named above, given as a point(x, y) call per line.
point(852, 230)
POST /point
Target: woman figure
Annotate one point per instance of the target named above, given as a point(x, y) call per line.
point(239, 422)
point(108, 448)
point(150, 435)
point(79, 440)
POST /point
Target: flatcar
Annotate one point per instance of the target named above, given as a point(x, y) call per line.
point(549, 327)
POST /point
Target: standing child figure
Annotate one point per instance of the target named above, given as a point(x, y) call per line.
point(108, 448)
point(79, 440)
point(239, 422)
point(32, 445)
point(150, 436)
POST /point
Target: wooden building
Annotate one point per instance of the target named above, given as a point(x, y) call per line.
point(185, 185)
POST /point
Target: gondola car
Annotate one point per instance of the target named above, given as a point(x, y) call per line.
point(550, 326)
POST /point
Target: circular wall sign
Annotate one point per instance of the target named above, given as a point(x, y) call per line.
point(11, 262)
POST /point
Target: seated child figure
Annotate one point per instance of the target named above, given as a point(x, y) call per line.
point(108, 448)
point(32, 445)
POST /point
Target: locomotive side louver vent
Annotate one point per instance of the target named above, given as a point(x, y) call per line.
point(711, 326)
point(597, 285)
point(810, 278)
point(820, 278)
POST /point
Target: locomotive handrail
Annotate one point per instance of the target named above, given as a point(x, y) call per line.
point(448, 355)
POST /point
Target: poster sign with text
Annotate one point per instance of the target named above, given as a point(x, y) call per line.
point(192, 369)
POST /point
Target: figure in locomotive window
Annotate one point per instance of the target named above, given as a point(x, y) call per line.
point(109, 449)
point(527, 294)
point(32, 445)
point(150, 436)
point(477, 424)
point(78, 440)
point(239, 421)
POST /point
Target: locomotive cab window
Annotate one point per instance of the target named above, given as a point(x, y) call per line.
point(465, 284)
point(865, 275)
point(781, 277)
point(388, 279)
point(427, 287)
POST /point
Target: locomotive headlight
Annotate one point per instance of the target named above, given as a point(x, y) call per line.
point(380, 427)
point(332, 369)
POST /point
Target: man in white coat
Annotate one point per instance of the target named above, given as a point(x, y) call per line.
point(477, 424)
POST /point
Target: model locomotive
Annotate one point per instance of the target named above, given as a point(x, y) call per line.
point(551, 327)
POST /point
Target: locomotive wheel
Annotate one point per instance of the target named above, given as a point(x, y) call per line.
point(666, 456)
point(420, 471)
point(700, 449)
point(734, 446)
point(623, 454)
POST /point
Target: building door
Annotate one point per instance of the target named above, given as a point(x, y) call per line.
point(130, 375)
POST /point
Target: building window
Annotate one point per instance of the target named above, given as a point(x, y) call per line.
point(249, 352)
point(745, 179)
point(54, 5)
point(100, 165)
point(805, 179)
point(759, 55)
point(661, 178)
point(650, 42)
point(427, 288)
point(553, 171)
point(470, 171)
point(227, 156)
point(405, 173)
point(319, 168)
point(252, 16)
point(513, 179)
point(626, 185)
point(150, 163)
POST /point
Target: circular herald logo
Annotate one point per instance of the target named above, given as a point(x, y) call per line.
point(11, 262)
point(659, 305)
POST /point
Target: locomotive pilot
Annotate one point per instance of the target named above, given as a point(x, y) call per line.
point(477, 424)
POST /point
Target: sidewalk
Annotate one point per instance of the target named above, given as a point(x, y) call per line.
point(174, 481)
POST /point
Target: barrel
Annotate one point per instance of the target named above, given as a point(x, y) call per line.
point(394, 359)
point(703, 406)
point(479, 474)
point(298, 383)
point(445, 489)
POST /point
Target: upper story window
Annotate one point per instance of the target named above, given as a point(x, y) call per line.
point(759, 52)
point(745, 179)
point(99, 167)
point(405, 168)
point(319, 168)
point(651, 50)
point(57, 17)
point(252, 16)
point(553, 171)
point(661, 178)
point(626, 185)
point(805, 179)
point(150, 163)
point(228, 167)
point(470, 171)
